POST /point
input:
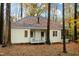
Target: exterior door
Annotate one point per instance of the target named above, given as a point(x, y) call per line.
point(37, 35)
point(42, 36)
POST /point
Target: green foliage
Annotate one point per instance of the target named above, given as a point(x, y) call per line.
point(71, 27)
point(33, 9)
point(39, 11)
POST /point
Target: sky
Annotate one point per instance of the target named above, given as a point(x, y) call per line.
point(15, 8)
point(59, 9)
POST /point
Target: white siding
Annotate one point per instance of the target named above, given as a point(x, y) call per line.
point(56, 38)
point(18, 36)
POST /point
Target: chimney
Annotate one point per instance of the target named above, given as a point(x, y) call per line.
point(38, 20)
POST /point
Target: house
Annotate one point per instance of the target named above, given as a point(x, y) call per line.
point(28, 30)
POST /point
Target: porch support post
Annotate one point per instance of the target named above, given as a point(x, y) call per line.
point(29, 35)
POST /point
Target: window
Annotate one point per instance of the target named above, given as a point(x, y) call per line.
point(25, 33)
point(31, 33)
point(54, 33)
point(42, 34)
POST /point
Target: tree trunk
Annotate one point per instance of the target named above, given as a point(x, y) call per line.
point(56, 12)
point(48, 26)
point(21, 11)
point(1, 22)
point(64, 43)
point(75, 18)
point(8, 24)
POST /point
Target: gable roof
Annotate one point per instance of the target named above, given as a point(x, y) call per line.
point(31, 23)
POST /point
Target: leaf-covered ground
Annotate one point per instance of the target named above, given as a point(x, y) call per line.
point(40, 50)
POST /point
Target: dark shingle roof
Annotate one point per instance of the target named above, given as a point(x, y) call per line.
point(31, 22)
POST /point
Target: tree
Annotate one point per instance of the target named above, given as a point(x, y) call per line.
point(30, 9)
point(34, 9)
point(55, 12)
point(0, 8)
point(21, 11)
point(48, 25)
point(75, 18)
point(64, 43)
point(8, 25)
point(1, 21)
point(45, 7)
point(69, 18)
point(39, 11)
